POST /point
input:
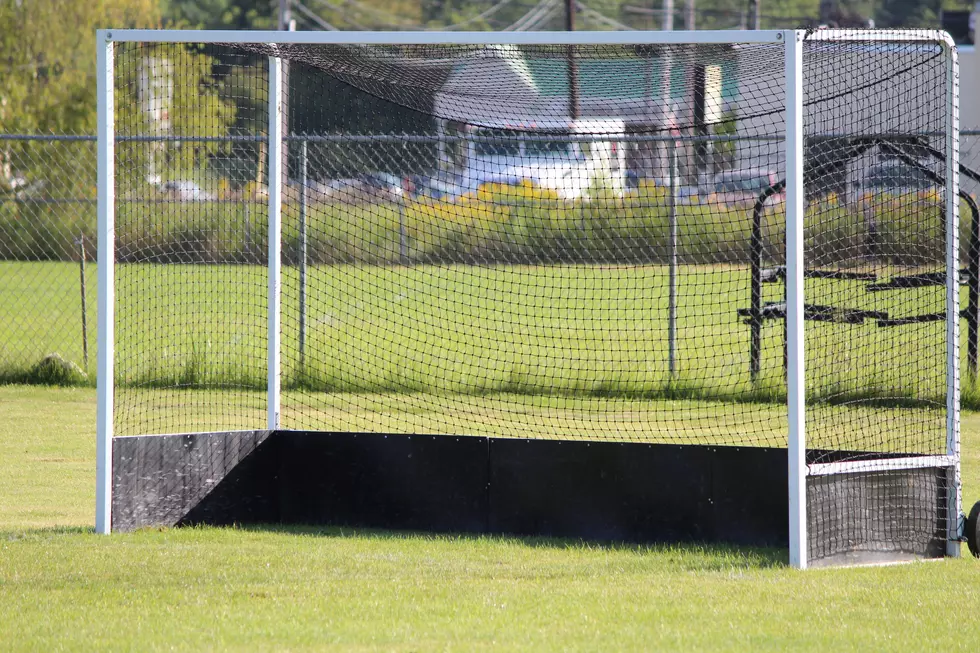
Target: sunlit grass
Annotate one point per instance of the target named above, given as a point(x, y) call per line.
point(64, 588)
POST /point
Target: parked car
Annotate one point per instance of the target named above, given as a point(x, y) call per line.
point(185, 190)
point(552, 154)
point(742, 186)
point(892, 178)
point(385, 185)
point(446, 187)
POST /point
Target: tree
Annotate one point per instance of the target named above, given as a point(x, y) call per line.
point(47, 82)
point(47, 73)
point(221, 14)
point(168, 90)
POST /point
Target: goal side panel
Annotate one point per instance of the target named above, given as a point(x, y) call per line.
point(881, 206)
point(191, 243)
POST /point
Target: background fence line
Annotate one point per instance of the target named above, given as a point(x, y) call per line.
point(48, 203)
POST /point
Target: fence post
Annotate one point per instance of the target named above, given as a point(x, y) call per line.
point(81, 272)
point(672, 309)
point(303, 179)
point(402, 235)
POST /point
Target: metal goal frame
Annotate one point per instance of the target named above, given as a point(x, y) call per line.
point(798, 469)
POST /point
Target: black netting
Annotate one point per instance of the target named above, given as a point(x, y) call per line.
point(876, 122)
point(877, 516)
point(191, 239)
point(47, 245)
point(506, 270)
point(567, 242)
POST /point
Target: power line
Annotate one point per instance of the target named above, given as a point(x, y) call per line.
point(484, 14)
point(343, 13)
point(537, 14)
point(534, 11)
point(520, 21)
point(602, 18)
point(540, 20)
point(312, 16)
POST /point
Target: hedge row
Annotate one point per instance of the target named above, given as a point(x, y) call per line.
point(498, 225)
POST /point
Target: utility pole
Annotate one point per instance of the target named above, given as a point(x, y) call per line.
point(689, 15)
point(754, 17)
point(666, 152)
point(572, 65)
point(826, 12)
point(285, 22)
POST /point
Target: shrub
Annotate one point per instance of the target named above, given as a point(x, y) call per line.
point(499, 224)
point(54, 369)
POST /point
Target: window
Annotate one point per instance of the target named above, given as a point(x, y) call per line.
point(497, 142)
point(537, 146)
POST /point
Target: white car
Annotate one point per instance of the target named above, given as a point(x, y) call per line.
point(743, 186)
point(186, 191)
point(892, 178)
point(570, 157)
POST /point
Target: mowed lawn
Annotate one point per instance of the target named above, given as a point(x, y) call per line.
point(467, 329)
point(559, 351)
point(64, 588)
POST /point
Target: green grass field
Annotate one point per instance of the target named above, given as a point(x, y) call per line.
point(579, 330)
point(571, 330)
point(41, 304)
point(583, 346)
point(556, 352)
point(64, 588)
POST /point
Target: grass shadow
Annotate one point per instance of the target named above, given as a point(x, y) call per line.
point(8, 534)
point(726, 555)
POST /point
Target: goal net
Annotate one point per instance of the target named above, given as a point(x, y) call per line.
point(582, 241)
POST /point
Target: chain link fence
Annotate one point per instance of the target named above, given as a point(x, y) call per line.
point(47, 246)
point(48, 223)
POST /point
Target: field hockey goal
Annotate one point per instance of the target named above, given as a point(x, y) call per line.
point(643, 286)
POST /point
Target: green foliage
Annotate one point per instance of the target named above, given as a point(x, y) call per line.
point(484, 15)
point(220, 14)
point(48, 78)
point(196, 108)
point(54, 369)
point(504, 224)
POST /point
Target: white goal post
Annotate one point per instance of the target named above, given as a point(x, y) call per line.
point(794, 156)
